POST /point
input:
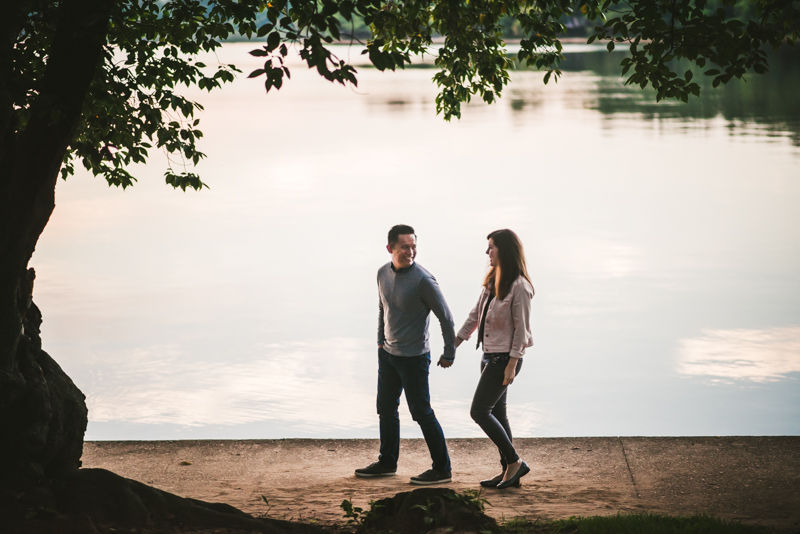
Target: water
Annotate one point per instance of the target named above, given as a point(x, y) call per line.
point(663, 241)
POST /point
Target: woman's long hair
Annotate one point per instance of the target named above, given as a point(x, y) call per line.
point(510, 263)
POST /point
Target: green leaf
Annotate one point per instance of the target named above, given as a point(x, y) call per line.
point(273, 40)
point(610, 46)
point(265, 29)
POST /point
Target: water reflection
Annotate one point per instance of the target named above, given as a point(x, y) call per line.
point(288, 382)
point(757, 105)
point(287, 385)
point(761, 106)
point(757, 355)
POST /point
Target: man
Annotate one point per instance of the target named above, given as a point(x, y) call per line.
point(408, 293)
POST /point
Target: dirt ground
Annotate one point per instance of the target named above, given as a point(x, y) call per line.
point(748, 479)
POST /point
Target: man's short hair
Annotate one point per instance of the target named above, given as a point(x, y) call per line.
point(398, 230)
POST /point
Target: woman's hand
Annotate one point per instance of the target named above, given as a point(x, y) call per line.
point(459, 341)
point(510, 372)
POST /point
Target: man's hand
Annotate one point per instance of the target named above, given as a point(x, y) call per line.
point(447, 363)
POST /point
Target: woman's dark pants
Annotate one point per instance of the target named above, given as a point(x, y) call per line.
point(489, 405)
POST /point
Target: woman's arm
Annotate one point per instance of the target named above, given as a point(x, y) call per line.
point(521, 319)
point(472, 321)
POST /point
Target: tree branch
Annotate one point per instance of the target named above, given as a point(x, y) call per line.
point(12, 16)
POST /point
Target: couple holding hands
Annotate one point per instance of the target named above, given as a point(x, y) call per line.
point(408, 293)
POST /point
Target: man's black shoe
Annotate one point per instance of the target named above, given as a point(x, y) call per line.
point(431, 476)
point(376, 470)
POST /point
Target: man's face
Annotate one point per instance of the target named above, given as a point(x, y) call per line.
point(404, 251)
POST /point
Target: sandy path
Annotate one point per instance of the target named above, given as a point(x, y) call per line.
point(752, 479)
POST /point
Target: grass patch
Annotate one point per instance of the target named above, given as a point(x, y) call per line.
point(630, 524)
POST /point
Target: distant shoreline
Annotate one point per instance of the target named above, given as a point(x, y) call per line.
point(565, 40)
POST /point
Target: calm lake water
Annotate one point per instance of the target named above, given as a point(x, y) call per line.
point(663, 242)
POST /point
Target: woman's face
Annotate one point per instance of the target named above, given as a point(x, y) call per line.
point(492, 252)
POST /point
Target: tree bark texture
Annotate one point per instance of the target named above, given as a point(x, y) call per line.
point(44, 419)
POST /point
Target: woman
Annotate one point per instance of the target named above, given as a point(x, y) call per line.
point(502, 318)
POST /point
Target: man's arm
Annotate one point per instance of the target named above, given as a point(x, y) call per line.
point(381, 335)
point(433, 298)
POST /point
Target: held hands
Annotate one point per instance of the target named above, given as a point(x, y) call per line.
point(447, 363)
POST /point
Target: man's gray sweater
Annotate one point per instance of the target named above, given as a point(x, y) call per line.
point(406, 299)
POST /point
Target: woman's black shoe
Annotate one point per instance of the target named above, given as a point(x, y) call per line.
point(493, 482)
point(513, 481)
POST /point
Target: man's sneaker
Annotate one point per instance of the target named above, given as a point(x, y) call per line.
point(431, 476)
point(375, 470)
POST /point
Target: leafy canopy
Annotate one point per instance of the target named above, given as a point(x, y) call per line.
point(152, 47)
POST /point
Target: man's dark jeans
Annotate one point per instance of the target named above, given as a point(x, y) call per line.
point(409, 373)
point(489, 405)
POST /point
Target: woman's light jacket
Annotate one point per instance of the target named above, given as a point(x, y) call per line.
point(507, 327)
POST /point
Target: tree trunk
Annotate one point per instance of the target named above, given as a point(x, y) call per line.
point(42, 413)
